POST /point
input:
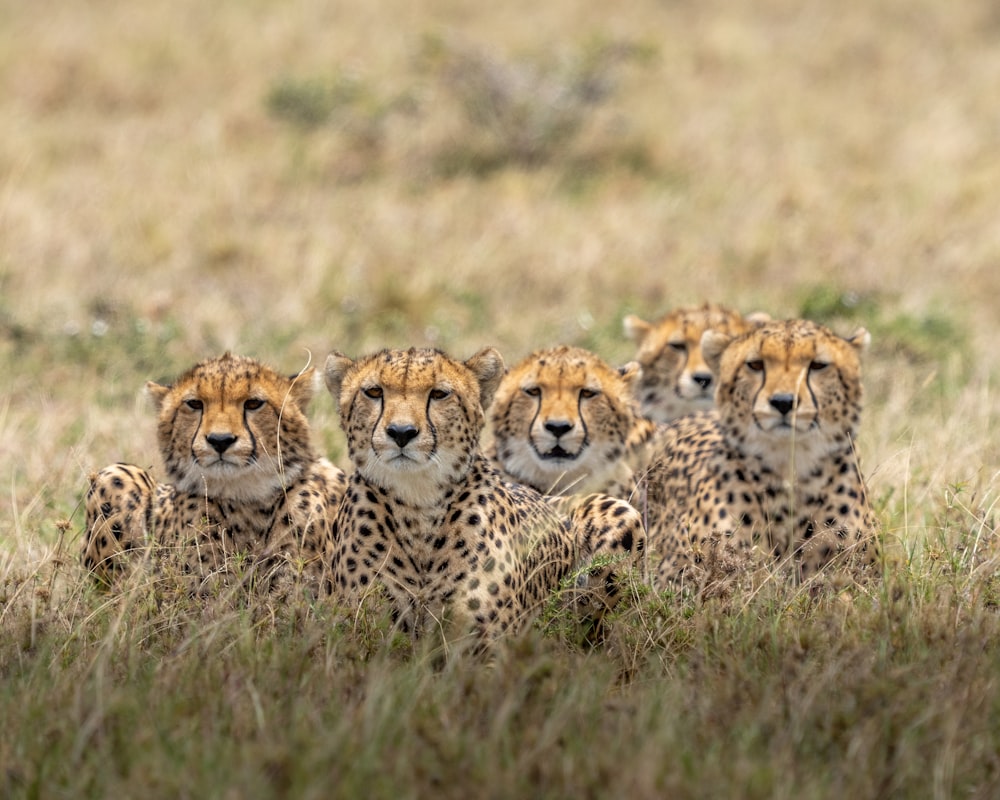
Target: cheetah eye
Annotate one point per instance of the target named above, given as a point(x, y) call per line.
point(532, 391)
point(253, 404)
point(374, 392)
point(755, 365)
point(194, 405)
point(680, 347)
point(586, 394)
point(816, 366)
point(439, 394)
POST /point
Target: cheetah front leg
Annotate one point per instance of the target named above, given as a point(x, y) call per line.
point(609, 539)
point(120, 515)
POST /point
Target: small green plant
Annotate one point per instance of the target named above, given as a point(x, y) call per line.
point(525, 112)
point(933, 341)
point(829, 304)
point(346, 108)
point(308, 103)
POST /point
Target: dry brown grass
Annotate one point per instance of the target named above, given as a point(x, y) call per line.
point(154, 209)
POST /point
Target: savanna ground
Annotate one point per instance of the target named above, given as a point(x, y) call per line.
point(178, 178)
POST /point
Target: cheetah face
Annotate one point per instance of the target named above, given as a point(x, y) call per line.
point(413, 418)
point(788, 386)
point(676, 380)
point(561, 415)
point(233, 428)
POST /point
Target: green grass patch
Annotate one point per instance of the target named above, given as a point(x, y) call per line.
point(934, 342)
point(779, 691)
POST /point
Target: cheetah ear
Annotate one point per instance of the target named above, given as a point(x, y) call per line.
point(630, 372)
point(712, 345)
point(488, 367)
point(157, 392)
point(636, 328)
point(860, 339)
point(303, 387)
point(757, 318)
point(336, 368)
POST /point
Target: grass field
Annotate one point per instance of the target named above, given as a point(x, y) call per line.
point(178, 178)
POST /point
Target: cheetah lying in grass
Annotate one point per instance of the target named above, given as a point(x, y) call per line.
point(244, 479)
point(775, 466)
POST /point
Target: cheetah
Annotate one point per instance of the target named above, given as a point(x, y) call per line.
point(244, 478)
point(428, 519)
point(774, 465)
point(565, 421)
point(676, 380)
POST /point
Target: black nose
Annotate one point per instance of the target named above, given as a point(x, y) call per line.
point(220, 442)
point(703, 379)
point(783, 403)
point(559, 427)
point(402, 434)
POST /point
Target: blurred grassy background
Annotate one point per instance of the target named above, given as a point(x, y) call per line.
point(178, 178)
point(287, 179)
point(284, 180)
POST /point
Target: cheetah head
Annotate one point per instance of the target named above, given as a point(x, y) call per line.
point(676, 380)
point(561, 418)
point(789, 392)
point(413, 417)
point(232, 428)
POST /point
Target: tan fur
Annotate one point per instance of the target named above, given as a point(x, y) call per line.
point(243, 476)
point(566, 423)
point(775, 466)
point(430, 520)
point(563, 420)
point(676, 380)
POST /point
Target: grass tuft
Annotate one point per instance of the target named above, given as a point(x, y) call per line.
point(525, 112)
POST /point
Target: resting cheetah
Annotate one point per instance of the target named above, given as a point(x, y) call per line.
point(775, 465)
point(244, 477)
point(675, 378)
point(427, 516)
point(565, 421)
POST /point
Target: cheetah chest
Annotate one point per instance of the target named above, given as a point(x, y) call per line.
point(456, 554)
point(758, 504)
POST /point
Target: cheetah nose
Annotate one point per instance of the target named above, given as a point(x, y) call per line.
point(782, 403)
point(703, 379)
point(559, 427)
point(402, 435)
point(220, 442)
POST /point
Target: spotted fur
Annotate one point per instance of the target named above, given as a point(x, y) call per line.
point(775, 466)
point(675, 379)
point(428, 518)
point(243, 477)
